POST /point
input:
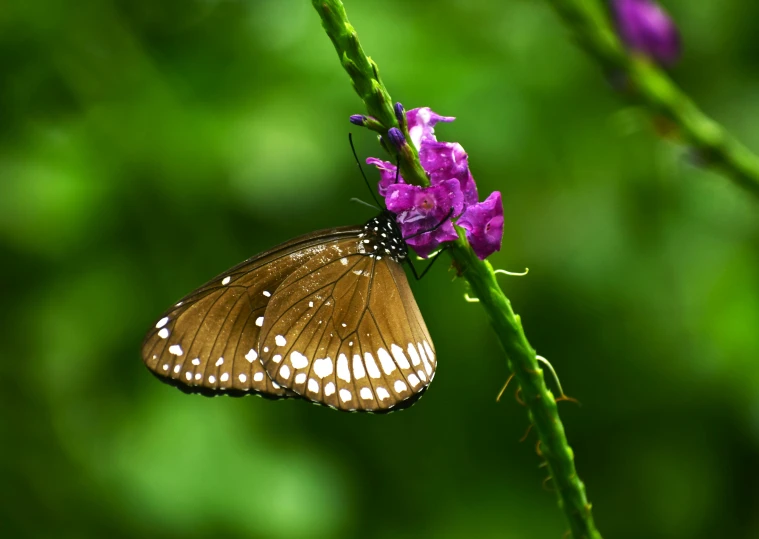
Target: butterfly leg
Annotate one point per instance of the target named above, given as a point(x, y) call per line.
point(418, 276)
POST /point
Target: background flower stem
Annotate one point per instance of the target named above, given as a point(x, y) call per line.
point(520, 356)
point(647, 84)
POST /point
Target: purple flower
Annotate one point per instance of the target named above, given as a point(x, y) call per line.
point(424, 213)
point(483, 223)
point(646, 28)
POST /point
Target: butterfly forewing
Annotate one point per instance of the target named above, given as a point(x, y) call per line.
point(208, 342)
point(344, 330)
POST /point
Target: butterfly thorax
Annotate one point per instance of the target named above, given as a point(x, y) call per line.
point(382, 237)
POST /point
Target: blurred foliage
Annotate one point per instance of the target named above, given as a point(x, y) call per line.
point(145, 146)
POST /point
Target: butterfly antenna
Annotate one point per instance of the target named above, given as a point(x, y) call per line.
point(365, 203)
point(355, 156)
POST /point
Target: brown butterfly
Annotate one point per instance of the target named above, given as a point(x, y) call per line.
point(328, 317)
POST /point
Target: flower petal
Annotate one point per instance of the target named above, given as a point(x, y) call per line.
point(448, 160)
point(388, 174)
point(483, 223)
point(421, 125)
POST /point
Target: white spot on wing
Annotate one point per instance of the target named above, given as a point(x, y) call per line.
point(242, 378)
point(400, 386)
point(413, 380)
point(400, 357)
point(284, 372)
point(188, 375)
point(176, 350)
point(382, 393)
point(163, 333)
point(251, 356)
point(427, 366)
point(366, 393)
point(371, 366)
point(300, 378)
point(358, 368)
point(219, 362)
point(329, 389)
point(177, 368)
point(258, 377)
point(343, 372)
point(414, 355)
point(386, 361)
point(280, 340)
point(226, 280)
point(430, 353)
point(276, 358)
point(212, 379)
point(224, 377)
point(323, 367)
point(298, 360)
point(162, 322)
point(260, 321)
point(345, 395)
point(196, 361)
point(267, 293)
point(165, 366)
point(313, 385)
point(344, 261)
point(198, 376)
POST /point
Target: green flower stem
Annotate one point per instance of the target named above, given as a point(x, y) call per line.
point(650, 86)
point(521, 357)
point(364, 74)
point(540, 402)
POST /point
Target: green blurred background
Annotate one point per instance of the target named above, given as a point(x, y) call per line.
point(146, 146)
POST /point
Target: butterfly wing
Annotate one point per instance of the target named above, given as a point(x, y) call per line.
point(344, 330)
point(208, 342)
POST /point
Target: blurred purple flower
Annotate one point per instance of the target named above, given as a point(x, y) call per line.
point(646, 28)
point(483, 223)
point(424, 213)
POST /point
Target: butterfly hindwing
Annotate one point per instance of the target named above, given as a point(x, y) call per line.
point(344, 330)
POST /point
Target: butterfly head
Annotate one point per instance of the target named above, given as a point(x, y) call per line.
point(382, 237)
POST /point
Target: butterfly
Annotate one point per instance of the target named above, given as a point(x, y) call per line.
point(328, 317)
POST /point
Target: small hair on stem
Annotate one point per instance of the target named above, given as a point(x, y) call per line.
point(562, 396)
point(513, 274)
